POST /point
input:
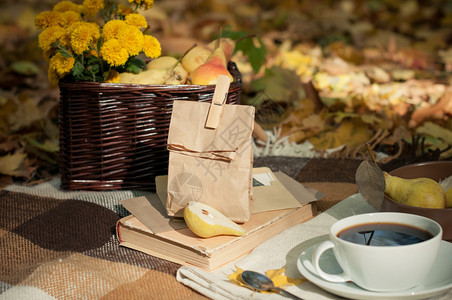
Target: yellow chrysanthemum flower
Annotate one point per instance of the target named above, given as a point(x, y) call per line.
point(48, 19)
point(151, 47)
point(146, 4)
point(66, 6)
point(136, 20)
point(124, 10)
point(111, 28)
point(68, 26)
point(49, 36)
point(71, 27)
point(113, 77)
point(92, 7)
point(83, 36)
point(113, 52)
point(93, 52)
point(47, 54)
point(61, 65)
point(53, 77)
point(71, 17)
point(131, 39)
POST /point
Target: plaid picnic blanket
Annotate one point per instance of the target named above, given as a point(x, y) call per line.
point(57, 244)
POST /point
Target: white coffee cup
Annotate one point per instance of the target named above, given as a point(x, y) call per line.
point(381, 268)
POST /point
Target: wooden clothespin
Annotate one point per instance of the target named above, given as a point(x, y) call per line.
point(219, 99)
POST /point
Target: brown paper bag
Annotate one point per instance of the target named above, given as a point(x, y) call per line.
point(212, 166)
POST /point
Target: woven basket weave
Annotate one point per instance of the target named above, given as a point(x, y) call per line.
point(113, 136)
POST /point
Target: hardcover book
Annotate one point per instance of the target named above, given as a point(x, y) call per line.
point(151, 231)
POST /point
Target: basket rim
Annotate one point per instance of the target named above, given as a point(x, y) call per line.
point(237, 83)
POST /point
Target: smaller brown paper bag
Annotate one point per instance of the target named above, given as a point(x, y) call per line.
point(211, 158)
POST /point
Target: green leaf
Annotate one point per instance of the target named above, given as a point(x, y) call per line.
point(134, 65)
point(99, 44)
point(235, 35)
point(94, 69)
point(256, 54)
point(46, 145)
point(65, 53)
point(133, 69)
point(90, 60)
point(78, 69)
point(25, 67)
point(140, 63)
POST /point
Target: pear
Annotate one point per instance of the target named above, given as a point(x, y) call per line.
point(420, 192)
point(208, 72)
point(177, 73)
point(226, 44)
point(162, 70)
point(205, 221)
point(196, 57)
point(157, 76)
point(127, 77)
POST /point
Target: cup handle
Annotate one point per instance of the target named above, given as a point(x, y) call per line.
point(322, 247)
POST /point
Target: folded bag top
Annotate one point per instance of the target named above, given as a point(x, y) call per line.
point(234, 129)
point(210, 148)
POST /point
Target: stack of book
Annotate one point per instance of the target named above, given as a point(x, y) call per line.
point(280, 203)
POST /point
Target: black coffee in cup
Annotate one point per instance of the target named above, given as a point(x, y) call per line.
point(384, 234)
point(412, 246)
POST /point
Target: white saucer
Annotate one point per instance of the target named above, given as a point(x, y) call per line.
point(439, 279)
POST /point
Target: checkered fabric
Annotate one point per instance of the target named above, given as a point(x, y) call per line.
point(57, 244)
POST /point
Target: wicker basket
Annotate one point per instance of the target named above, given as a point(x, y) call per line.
point(113, 136)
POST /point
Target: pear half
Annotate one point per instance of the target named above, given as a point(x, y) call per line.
point(449, 198)
point(205, 221)
point(420, 192)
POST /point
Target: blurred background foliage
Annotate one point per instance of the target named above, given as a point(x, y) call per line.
point(336, 74)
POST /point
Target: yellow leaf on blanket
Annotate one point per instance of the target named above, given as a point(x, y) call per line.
point(236, 276)
point(280, 279)
point(277, 275)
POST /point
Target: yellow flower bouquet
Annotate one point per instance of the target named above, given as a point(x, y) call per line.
point(78, 48)
point(113, 134)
